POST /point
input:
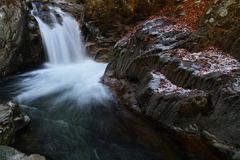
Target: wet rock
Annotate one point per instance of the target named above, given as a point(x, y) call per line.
point(11, 120)
point(34, 43)
point(101, 55)
point(222, 148)
point(97, 53)
point(74, 9)
point(172, 107)
point(236, 156)
point(42, 11)
point(176, 129)
point(193, 129)
point(14, 49)
point(105, 43)
point(9, 153)
point(209, 136)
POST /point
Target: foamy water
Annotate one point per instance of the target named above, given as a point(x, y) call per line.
point(78, 83)
point(69, 73)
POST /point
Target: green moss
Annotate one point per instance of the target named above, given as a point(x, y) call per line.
point(120, 7)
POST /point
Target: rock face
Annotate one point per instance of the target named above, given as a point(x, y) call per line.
point(17, 45)
point(220, 23)
point(11, 120)
point(8, 153)
point(164, 70)
point(34, 46)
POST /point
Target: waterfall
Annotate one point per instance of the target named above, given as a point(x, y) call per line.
point(68, 76)
point(61, 37)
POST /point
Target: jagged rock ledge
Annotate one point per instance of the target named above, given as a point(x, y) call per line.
point(194, 94)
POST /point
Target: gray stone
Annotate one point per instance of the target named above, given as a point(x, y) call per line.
point(176, 129)
point(11, 120)
point(99, 56)
point(222, 148)
point(209, 136)
point(14, 37)
point(212, 113)
point(191, 129)
point(9, 153)
point(236, 156)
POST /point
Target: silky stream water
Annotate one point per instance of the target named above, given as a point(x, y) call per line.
point(73, 116)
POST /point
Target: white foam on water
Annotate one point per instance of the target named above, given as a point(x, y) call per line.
point(69, 73)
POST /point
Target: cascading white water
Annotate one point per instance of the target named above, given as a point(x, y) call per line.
point(62, 42)
point(69, 73)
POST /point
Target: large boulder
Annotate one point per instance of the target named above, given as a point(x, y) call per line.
point(15, 40)
point(180, 79)
point(11, 120)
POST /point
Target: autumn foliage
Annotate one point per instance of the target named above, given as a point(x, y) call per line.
point(192, 10)
point(211, 59)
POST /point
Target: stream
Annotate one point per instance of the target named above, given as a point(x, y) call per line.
point(74, 116)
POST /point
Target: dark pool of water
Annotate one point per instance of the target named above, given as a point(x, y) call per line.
point(89, 132)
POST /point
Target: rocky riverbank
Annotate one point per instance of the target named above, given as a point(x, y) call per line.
point(176, 67)
point(12, 120)
point(181, 75)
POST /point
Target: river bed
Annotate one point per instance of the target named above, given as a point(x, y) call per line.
point(74, 116)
